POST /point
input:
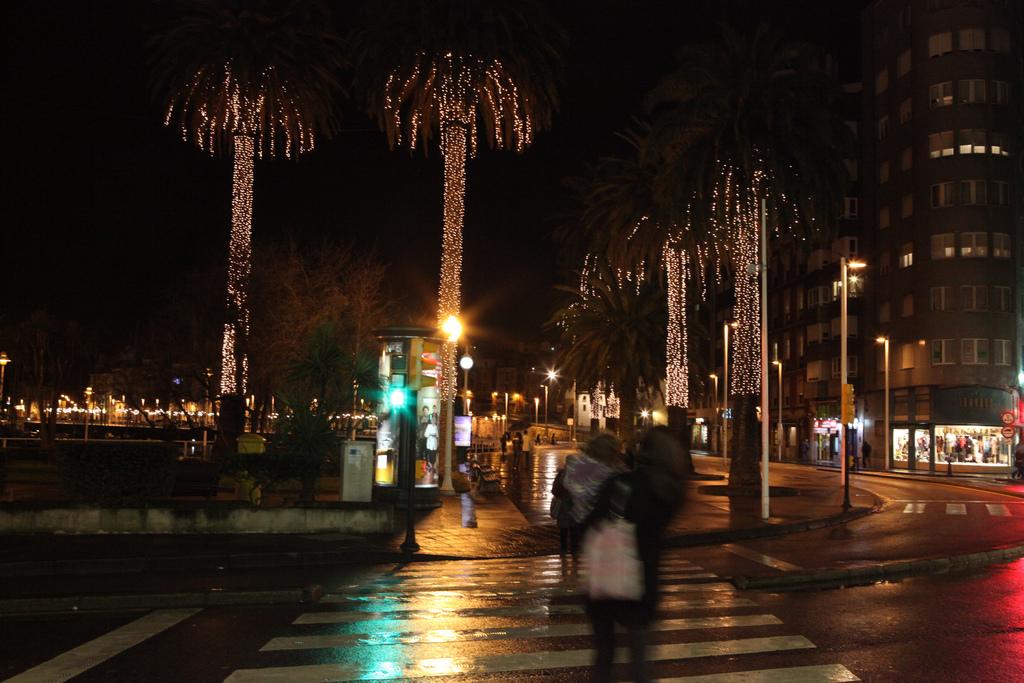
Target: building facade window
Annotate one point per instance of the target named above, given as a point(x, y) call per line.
point(814, 370)
point(883, 172)
point(943, 246)
point(974, 351)
point(999, 147)
point(972, 39)
point(907, 306)
point(907, 159)
point(974, 244)
point(1000, 92)
point(1001, 351)
point(1001, 245)
point(884, 312)
point(882, 81)
point(941, 144)
point(942, 298)
point(907, 206)
point(972, 192)
point(883, 127)
point(906, 110)
point(940, 94)
point(907, 356)
point(907, 255)
point(972, 141)
point(884, 219)
point(1001, 299)
point(851, 207)
point(943, 195)
point(971, 91)
point(885, 262)
point(940, 43)
point(973, 297)
point(942, 351)
point(999, 193)
point(851, 366)
point(903, 63)
point(1001, 40)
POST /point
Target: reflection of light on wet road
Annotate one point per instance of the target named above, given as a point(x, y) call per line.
point(528, 486)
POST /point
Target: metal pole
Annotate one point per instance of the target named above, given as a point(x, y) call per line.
point(572, 428)
point(725, 395)
point(887, 429)
point(407, 449)
point(545, 410)
point(781, 438)
point(765, 453)
point(842, 380)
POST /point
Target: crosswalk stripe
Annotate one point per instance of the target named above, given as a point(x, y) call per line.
point(998, 510)
point(914, 508)
point(465, 583)
point(510, 567)
point(469, 592)
point(412, 665)
point(427, 631)
point(956, 509)
point(821, 673)
point(766, 560)
point(396, 612)
point(84, 657)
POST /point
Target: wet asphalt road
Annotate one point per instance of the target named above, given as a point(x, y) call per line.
point(520, 620)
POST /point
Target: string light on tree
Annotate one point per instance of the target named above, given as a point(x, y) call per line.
point(676, 353)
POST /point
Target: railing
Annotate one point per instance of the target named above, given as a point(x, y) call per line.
point(188, 447)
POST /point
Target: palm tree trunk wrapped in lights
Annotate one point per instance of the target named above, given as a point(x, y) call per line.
point(255, 79)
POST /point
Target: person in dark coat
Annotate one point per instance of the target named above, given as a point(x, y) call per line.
point(655, 490)
point(865, 453)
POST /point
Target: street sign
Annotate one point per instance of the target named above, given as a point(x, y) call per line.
point(1007, 417)
point(1007, 432)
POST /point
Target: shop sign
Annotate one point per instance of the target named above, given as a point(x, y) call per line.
point(826, 426)
point(970, 405)
point(1007, 432)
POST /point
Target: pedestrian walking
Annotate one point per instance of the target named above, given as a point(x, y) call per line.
point(504, 443)
point(561, 512)
point(805, 450)
point(865, 453)
point(1018, 459)
point(586, 472)
point(622, 549)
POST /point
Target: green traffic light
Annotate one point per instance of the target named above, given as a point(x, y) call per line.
point(396, 398)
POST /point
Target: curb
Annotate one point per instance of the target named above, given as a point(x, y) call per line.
point(730, 535)
point(879, 572)
point(210, 598)
point(955, 481)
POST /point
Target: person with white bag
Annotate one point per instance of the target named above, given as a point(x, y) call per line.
point(622, 547)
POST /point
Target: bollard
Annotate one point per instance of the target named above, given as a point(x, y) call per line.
point(949, 467)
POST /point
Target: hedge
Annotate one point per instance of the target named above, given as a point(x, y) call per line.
point(117, 474)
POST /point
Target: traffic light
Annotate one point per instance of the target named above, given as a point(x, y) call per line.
point(847, 411)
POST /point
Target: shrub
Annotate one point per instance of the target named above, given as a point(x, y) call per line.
point(266, 470)
point(114, 473)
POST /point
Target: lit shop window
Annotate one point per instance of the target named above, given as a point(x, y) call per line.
point(979, 445)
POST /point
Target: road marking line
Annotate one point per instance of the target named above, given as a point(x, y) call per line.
point(394, 594)
point(86, 656)
point(948, 500)
point(410, 665)
point(823, 673)
point(914, 508)
point(998, 510)
point(427, 631)
point(766, 560)
point(468, 583)
point(381, 612)
point(956, 509)
point(515, 568)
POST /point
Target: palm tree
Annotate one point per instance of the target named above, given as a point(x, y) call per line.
point(743, 119)
point(623, 220)
point(250, 79)
point(441, 68)
point(613, 334)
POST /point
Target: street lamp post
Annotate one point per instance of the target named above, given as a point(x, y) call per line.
point(552, 376)
point(844, 277)
point(777, 362)
point(536, 409)
point(885, 345)
point(714, 394)
point(4, 360)
point(452, 329)
point(725, 389)
point(763, 272)
point(88, 400)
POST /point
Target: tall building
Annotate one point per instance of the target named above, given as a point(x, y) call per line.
point(942, 213)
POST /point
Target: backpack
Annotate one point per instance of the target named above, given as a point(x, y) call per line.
point(612, 566)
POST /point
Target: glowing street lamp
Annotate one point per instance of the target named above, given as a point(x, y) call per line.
point(4, 360)
point(88, 401)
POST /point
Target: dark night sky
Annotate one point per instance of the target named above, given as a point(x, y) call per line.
point(104, 209)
